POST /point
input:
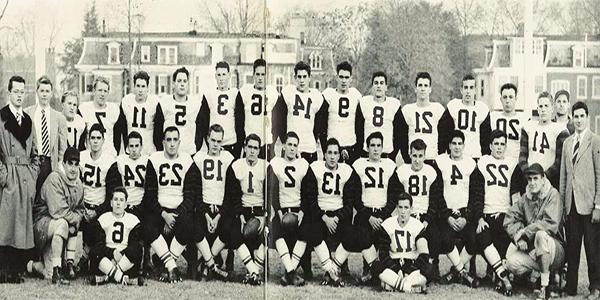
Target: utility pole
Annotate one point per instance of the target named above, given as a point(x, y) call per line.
point(528, 65)
point(130, 46)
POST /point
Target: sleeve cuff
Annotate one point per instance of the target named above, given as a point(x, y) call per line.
point(597, 206)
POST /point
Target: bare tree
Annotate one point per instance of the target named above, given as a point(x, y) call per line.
point(592, 7)
point(4, 10)
point(245, 16)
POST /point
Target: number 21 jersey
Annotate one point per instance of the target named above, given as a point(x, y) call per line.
point(423, 124)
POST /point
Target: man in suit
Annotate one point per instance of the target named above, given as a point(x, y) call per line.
point(580, 193)
point(50, 128)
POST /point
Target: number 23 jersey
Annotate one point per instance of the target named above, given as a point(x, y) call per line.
point(170, 175)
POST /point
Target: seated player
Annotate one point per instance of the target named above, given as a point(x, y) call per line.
point(117, 252)
point(403, 263)
point(285, 179)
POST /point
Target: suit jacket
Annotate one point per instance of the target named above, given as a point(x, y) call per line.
point(58, 134)
point(581, 179)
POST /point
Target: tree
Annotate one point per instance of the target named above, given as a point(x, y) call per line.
point(4, 10)
point(244, 16)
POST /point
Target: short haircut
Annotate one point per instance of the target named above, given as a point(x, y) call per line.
point(467, 77)
point(222, 65)
point(332, 141)
point(562, 92)
point(15, 78)
point(423, 75)
point(66, 94)
point(119, 189)
point(405, 196)
point(215, 128)
point(251, 137)
point(456, 134)
point(101, 79)
point(344, 66)
point(290, 134)
point(418, 144)
point(134, 135)
point(545, 94)
point(44, 80)
point(181, 70)
point(508, 86)
point(259, 63)
point(96, 127)
point(171, 129)
point(379, 74)
point(497, 134)
point(580, 105)
point(301, 66)
point(143, 75)
point(374, 135)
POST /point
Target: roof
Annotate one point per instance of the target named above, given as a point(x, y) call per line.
point(205, 35)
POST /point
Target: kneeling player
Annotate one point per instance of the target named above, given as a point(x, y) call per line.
point(117, 252)
point(403, 263)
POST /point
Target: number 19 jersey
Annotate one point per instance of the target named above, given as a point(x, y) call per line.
point(403, 240)
point(183, 115)
point(380, 117)
point(302, 109)
point(456, 175)
point(330, 184)
point(258, 109)
point(213, 171)
point(423, 124)
point(252, 180)
point(342, 115)
point(542, 142)
point(417, 184)
point(170, 174)
point(374, 178)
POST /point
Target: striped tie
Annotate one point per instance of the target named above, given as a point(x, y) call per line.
point(575, 150)
point(45, 139)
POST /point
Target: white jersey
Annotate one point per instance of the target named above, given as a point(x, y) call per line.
point(93, 176)
point(140, 118)
point(252, 180)
point(542, 142)
point(423, 124)
point(342, 115)
point(380, 117)
point(374, 178)
point(456, 176)
point(133, 173)
point(330, 184)
point(497, 174)
point(183, 115)
point(170, 175)
point(117, 230)
point(222, 111)
point(290, 175)
point(417, 184)
point(213, 171)
point(258, 107)
point(512, 127)
point(468, 119)
point(302, 109)
point(75, 129)
point(403, 240)
point(106, 117)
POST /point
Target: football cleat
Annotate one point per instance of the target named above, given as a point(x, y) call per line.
point(468, 280)
point(297, 280)
point(449, 277)
point(57, 277)
point(217, 273)
point(544, 294)
point(70, 270)
point(99, 279)
point(252, 279)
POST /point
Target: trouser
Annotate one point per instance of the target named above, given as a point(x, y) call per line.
point(45, 170)
point(578, 227)
point(520, 262)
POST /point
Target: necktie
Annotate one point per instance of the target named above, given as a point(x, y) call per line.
point(45, 138)
point(575, 150)
point(18, 117)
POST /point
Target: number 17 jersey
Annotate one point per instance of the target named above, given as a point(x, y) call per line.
point(403, 240)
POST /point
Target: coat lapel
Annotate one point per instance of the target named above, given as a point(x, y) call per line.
point(585, 144)
point(21, 133)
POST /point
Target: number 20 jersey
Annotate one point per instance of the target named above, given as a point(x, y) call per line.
point(403, 240)
point(542, 142)
point(140, 118)
point(290, 175)
point(380, 117)
point(456, 176)
point(257, 110)
point(512, 127)
point(170, 174)
point(183, 115)
point(417, 184)
point(117, 230)
point(330, 184)
point(302, 109)
point(213, 171)
point(374, 178)
point(497, 174)
point(342, 115)
point(93, 174)
point(133, 173)
point(423, 124)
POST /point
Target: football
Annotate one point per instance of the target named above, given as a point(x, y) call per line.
point(289, 222)
point(251, 228)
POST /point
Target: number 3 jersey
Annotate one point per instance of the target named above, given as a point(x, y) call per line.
point(250, 179)
point(497, 174)
point(417, 184)
point(289, 175)
point(380, 117)
point(258, 107)
point(93, 174)
point(132, 174)
point(183, 115)
point(140, 118)
point(330, 184)
point(302, 111)
point(213, 171)
point(107, 117)
point(423, 124)
point(170, 175)
point(542, 142)
point(403, 240)
point(222, 107)
point(342, 115)
point(374, 178)
point(456, 175)
point(118, 231)
point(512, 127)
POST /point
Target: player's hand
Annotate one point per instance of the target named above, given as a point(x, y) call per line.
point(72, 230)
point(462, 222)
point(300, 217)
point(482, 225)
point(375, 222)
point(453, 224)
point(169, 219)
point(280, 214)
point(262, 224)
point(331, 224)
point(209, 224)
point(596, 216)
point(117, 255)
point(519, 234)
point(345, 155)
point(522, 245)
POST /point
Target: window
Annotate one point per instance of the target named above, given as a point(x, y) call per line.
point(249, 79)
point(164, 84)
point(251, 53)
point(167, 55)
point(538, 46)
point(279, 83)
point(519, 46)
point(315, 60)
point(145, 54)
point(88, 83)
point(318, 85)
point(581, 87)
point(539, 84)
point(197, 84)
point(596, 87)
point(234, 80)
point(113, 53)
point(558, 85)
point(200, 49)
point(482, 87)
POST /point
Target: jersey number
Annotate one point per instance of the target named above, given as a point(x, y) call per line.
point(180, 115)
point(325, 186)
point(502, 124)
point(377, 116)
point(117, 234)
point(100, 116)
point(343, 109)
point(250, 188)
point(427, 128)
point(89, 174)
point(292, 181)
point(221, 102)
point(256, 108)
point(400, 234)
point(135, 123)
point(502, 169)
point(455, 175)
point(74, 130)
point(139, 169)
point(208, 168)
point(175, 168)
point(372, 182)
point(463, 120)
point(544, 145)
point(299, 106)
point(414, 186)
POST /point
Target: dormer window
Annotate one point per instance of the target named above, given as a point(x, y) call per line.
point(316, 61)
point(145, 54)
point(578, 57)
point(167, 55)
point(113, 53)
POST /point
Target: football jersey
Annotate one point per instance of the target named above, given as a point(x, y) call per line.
point(456, 176)
point(417, 184)
point(252, 180)
point(542, 142)
point(403, 239)
point(258, 109)
point(380, 117)
point(213, 171)
point(75, 129)
point(290, 175)
point(342, 115)
point(512, 127)
point(302, 109)
point(117, 230)
point(374, 178)
point(183, 115)
point(93, 176)
point(222, 112)
point(423, 124)
point(106, 117)
point(133, 173)
point(170, 174)
point(497, 174)
point(140, 118)
point(330, 184)
point(468, 119)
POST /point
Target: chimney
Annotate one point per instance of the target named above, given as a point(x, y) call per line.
point(103, 26)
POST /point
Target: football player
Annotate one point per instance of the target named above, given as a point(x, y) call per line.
point(469, 116)
point(561, 110)
point(76, 133)
point(343, 103)
point(508, 120)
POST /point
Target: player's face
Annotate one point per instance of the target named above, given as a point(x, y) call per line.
point(118, 203)
point(404, 211)
point(171, 143)
point(344, 78)
point(259, 77)
point(536, 182)
point(456, 147)
point(181, 84)
point(375, 147)
point(544, 109)
point(17, 94)
point(141, 90)
point(101, 93)
point(135, 148)
point(561, 105)
point(96, 141)
point(251, 149)
point(508, 99)
point(71, 169)
point(222, 76)
point(290, 148)
point(379, 87)
point(44, 93)
point(332, 155)
point(302, 80)
point(468, 90)
point(580, 119)
point(215, 140)
point(498, 146)
point(417, 159)
point(423, 89)
point(69, 107)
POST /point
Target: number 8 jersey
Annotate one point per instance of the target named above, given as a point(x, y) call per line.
point(379, 117)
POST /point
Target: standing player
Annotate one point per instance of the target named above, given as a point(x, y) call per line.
point(561, 110)
point(542, 141)
point(258, 100)
point(224, 106)
point(379, 112)
point(143, 114)
point(508, 120)
point(343, 103)
point(469, 116)
point(423, 118)
point(182, 111)
point(76, 132)
point(285, 180)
